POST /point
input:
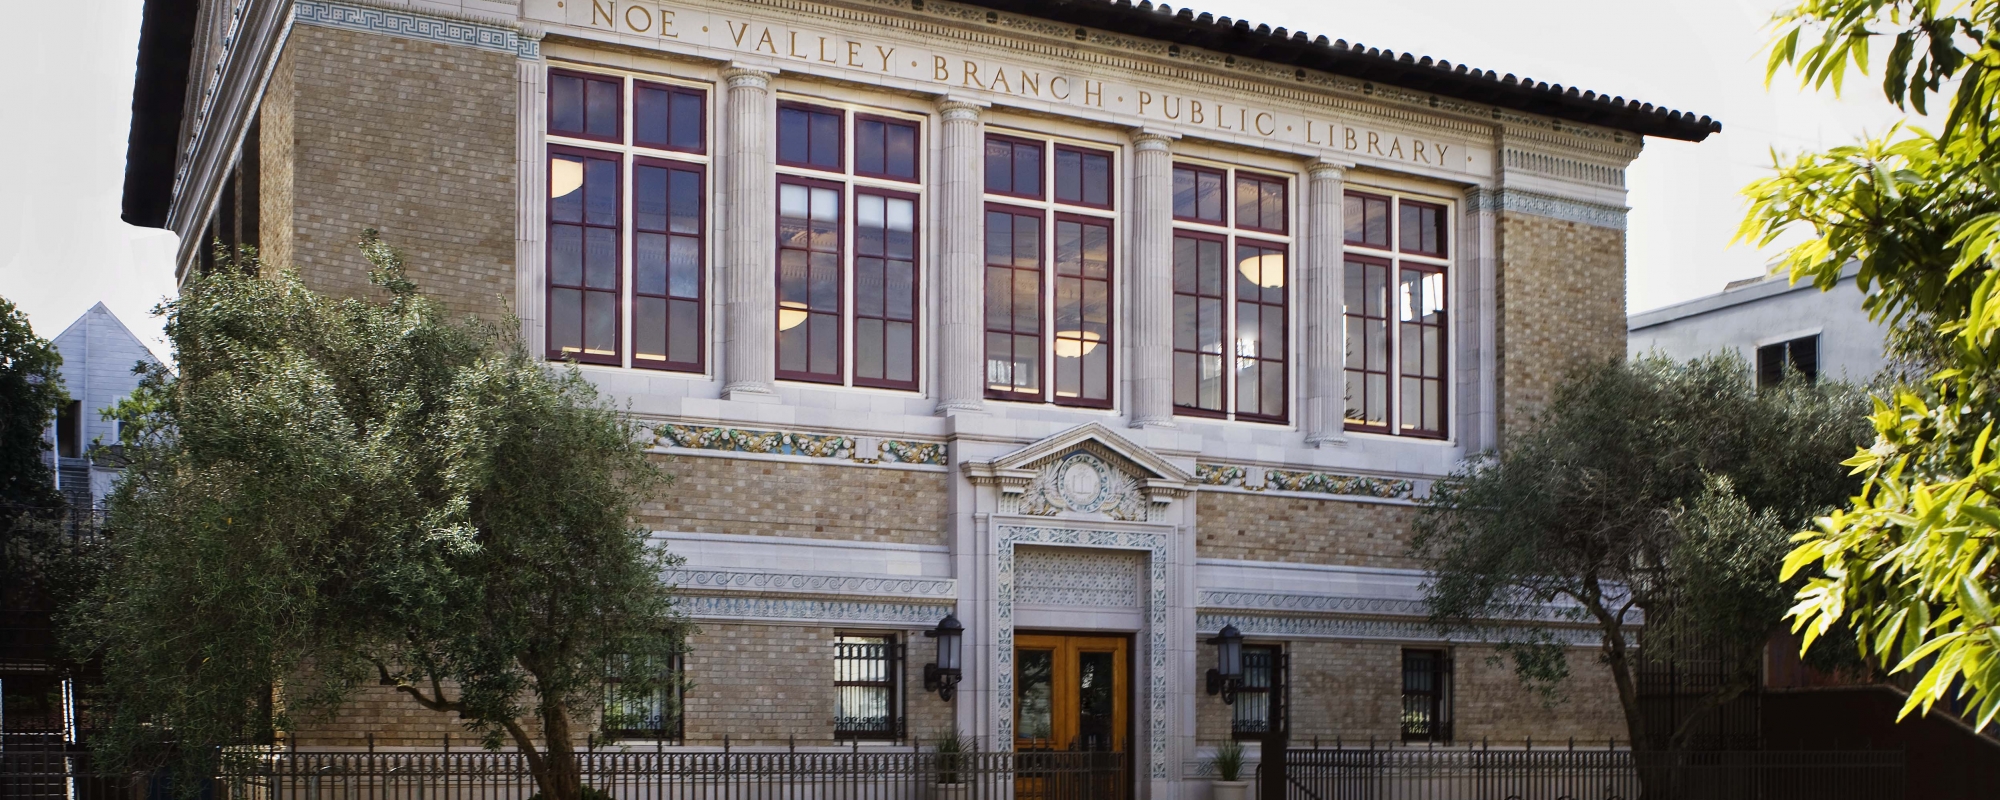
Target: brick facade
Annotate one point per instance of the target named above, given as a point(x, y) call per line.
point(772, 685)
point(1300, 530)
point(414, 139)
point(1561, 302)
point(778, 498)
point(1352, 691)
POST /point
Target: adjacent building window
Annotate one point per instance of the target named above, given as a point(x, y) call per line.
point(1253, 699)
point(1799, 355)
point(1230, 298)
point(627, 221)
point(1426, 696)
point(651, 713)
point(848, 247)
point(1395, 296)
point(866, 705)
point(1048, 333)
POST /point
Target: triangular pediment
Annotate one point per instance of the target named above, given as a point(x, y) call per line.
point(1128, 477)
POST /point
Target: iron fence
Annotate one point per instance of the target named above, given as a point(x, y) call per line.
point(1485, 774)
point(479, 775)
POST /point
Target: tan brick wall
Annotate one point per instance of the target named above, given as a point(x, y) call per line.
point(275, 166)
point(1257, 527)
point(1352, 691)
point(779, 498)
point(1561, 302)
point(414, 139)
point(397, 721)
point(764, 685)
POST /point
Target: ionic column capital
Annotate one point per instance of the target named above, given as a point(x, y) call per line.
point(747, 76)
point(1321, 169)
point(1149, 139)
point(960, 109)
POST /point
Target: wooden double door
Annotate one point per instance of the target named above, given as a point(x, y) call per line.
point(1071, 692)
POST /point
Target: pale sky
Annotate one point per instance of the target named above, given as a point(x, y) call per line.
point(69, 66)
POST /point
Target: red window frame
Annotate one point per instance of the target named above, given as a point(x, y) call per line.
point(1225, 201)
point(1355, 316)
point(916, 292)
point(701, 124)
point(617, 111)
point(1264, 360)
point(616, 291)
point(1110, 176)
point(1039, 331)
point(840, 280)
point(1284, 201)
point(1388, 219)
point(700, 298)
point(1443, 229)
point(1195, 354)
point(1041, 166)
point(916, 154)
point(1404, 344)
point(840, 138)
point(1108, 344)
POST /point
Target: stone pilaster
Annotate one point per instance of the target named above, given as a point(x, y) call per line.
point(1323, 377)
point(1151, 354)
point(749, 330)
point(961, 245)
point(531, 223)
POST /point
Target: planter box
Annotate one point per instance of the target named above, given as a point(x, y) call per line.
point(1230, 790)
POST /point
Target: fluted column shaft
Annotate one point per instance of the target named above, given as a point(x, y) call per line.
point(1152, 299)
point(749, 270)
point(961, 245)
point(1324, 391)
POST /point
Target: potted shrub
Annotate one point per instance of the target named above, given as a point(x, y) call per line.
point(950, 759)
point(1228, 765)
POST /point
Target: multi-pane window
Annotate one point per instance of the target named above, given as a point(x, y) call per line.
point(1395, 295)
point(849, 244)
point(1799, 355)
point(1231, 307)
point(584, 286)
point(864, 679)
point(810, 136)
point(627, 219)
point(1426, 713)
point(1252, 709)
point(1048, 287)
point(653, 712)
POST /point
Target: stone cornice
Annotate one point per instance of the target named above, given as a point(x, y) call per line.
point(1340, 627)
point(1543, 205)
point(796, 610)
point(909, 589)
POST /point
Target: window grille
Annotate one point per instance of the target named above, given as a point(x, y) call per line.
point(1426, 696)
point(651, 713)
point(1253, 698)
point(865, 696)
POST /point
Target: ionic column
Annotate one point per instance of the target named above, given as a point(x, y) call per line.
point(749, 331)
point(961, 247)
point(1152, 295)
point(1323, 374)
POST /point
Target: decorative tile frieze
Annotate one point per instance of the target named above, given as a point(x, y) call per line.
point(1315, 603)
point(1056, 576)
point(1006, 583)
point(1542, 205)
point(901, 451)
point(1336, 627)
point(760, 581)
point(811, 610)
point(809, 445)
point(413, 25)
point(1305, 481)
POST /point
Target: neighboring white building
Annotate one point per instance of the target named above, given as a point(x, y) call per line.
point(99, 354)
point(1767, 321)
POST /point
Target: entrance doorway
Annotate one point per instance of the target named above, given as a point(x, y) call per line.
point(1070, 693)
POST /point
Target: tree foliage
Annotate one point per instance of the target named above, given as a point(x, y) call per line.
point(1647, 486)
point(1910, 565)
point(31, 389)
point(338, 492)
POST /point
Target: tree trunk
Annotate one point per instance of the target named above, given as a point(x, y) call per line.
point(565, 775)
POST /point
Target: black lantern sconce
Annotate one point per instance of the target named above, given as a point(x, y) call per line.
point(1227, 675)
point(942, 675)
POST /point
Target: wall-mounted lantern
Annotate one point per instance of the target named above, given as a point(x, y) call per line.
point(1228, 672)
point(942, 675)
